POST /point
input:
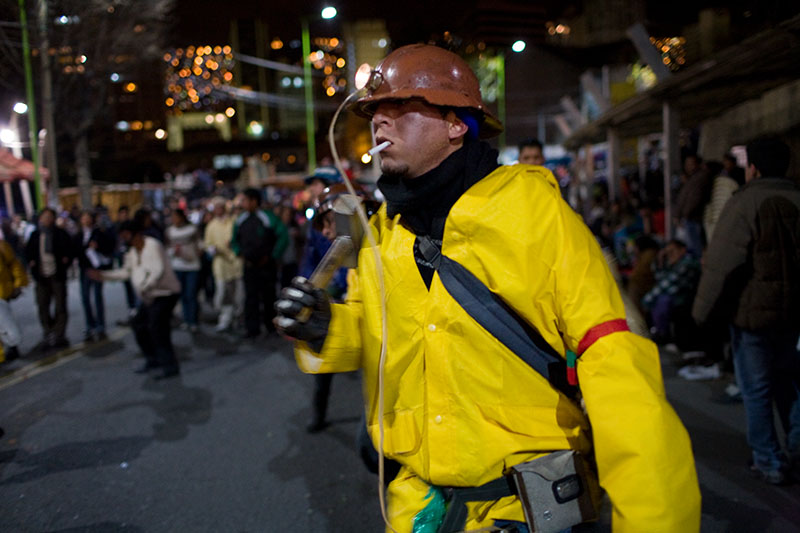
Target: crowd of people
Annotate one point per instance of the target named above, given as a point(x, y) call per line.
point(722, 293)
point(226, 255)
point(219, 256)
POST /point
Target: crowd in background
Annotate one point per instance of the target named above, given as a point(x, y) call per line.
point(222, 254)
point(197, 221)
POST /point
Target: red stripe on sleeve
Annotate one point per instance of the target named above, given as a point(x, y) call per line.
point(600, 331)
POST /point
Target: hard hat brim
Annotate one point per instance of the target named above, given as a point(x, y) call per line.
point(489, 127)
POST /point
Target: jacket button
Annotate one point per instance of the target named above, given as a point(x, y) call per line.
point(438, 419)
point(431, 327)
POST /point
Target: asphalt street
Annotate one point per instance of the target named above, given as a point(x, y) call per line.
point(92, 447)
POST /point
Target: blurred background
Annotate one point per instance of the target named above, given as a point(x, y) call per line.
point(123, 92)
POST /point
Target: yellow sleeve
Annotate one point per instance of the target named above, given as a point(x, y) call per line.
point(17, 270)
point(643, 452)
point(341, 351)
point(20, 276)
point(644, 457)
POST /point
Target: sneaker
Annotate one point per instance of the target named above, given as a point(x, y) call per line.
point(688, 356)
point(147, 367)
point(699, 372)
point(671, 347)
point(60, 342)
point(316, 427)
point(732, 389)
point(773, 477)
point(167, 374)
point(43, 346)
point(11, 353)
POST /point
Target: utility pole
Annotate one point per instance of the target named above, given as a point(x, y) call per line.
point(309, 98)
point(32, 128)
point(50, 153)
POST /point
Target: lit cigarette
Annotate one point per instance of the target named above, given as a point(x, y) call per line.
point(380, 148)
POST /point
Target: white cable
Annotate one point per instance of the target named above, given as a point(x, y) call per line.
point(384, 326)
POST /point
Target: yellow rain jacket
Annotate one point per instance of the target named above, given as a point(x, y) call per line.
point(460, 408)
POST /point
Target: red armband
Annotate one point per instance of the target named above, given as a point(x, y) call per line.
point(599, 331)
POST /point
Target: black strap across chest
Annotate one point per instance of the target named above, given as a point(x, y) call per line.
point(496, 317)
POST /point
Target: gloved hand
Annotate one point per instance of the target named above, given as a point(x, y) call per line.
point(304, 313)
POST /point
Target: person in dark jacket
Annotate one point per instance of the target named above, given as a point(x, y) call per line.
point(94, 249)
point(259, 237)
point(692, 199)
point(49, 253)
point(752, 271)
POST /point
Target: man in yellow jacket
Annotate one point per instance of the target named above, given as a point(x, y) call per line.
point(460, 408)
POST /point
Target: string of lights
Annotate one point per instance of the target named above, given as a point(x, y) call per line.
point(194, 73)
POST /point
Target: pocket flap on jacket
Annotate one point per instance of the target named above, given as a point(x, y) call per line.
point(401, 435)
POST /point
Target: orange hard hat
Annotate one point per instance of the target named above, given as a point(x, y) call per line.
point(431, 74)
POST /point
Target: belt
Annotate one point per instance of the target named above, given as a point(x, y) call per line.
point(456, 517)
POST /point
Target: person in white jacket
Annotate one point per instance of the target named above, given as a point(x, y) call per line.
point(148, 268)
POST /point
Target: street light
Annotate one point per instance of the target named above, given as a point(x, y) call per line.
point(327, 13)
point(518, 46)
point(9, 137)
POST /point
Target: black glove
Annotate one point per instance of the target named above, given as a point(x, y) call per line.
point(304, 313)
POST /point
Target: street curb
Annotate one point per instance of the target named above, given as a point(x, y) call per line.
point(55, 360)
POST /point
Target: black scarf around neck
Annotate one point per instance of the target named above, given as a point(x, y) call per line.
point(425, 201)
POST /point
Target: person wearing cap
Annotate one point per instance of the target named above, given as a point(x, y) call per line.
point(324, 225)
point(322, 178)
point(316, 244)
point(459, 407)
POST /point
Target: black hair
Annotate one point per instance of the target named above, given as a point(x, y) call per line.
point(181, 213)
point(530, 143)
point(714, 168)
point(769, 155)
point(50, 210)
point(253, 194)
point(123, 208)
point(677, 242)
point(645, 242)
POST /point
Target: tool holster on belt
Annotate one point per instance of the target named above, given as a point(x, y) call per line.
point(556, 492)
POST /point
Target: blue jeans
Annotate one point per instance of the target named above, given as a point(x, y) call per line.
point(767, 368)
point(95, 318)
point(188, 279)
